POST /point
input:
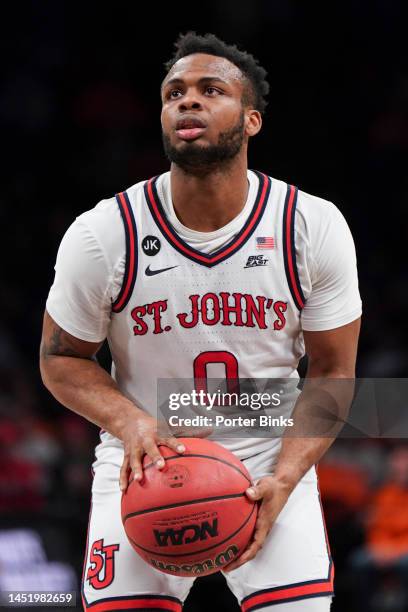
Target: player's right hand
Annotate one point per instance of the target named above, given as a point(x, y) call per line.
point(142, 436)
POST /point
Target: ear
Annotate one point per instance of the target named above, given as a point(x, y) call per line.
point(253, 122)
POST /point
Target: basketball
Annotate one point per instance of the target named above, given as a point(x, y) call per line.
point(193, 517)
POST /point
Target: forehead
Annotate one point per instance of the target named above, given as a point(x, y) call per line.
point(199, 65)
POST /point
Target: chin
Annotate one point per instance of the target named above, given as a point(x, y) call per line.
point(198, 143)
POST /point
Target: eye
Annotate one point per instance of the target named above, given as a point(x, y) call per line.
point(174, 93)
point(212, 90)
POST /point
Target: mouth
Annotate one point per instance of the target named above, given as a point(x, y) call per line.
point(190, 128)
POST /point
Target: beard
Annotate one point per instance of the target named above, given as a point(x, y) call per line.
point(200, 160)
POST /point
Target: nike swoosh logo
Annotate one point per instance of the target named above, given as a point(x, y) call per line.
point(150, 272)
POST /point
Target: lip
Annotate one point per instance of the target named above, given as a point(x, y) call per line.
point(190, 127)
point(188, 123)
point(190, 133)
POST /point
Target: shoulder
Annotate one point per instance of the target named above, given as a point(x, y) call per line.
point(312, 211)
point(104, 221)
point(137, 190)
point(107, 210)
point(316, 210)
point(310, 208)
point(101, 216)
point(318, 218)
point(313, 216)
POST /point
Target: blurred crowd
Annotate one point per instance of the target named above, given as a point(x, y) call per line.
point(79, 114)
point(364, 487)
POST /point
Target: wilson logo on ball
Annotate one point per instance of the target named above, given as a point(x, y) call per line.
point(187, 534)
point(209, 565)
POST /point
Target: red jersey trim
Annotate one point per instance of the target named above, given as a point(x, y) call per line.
point(159, 216)
point(129, 277)
point(143, 603)
point(289, 253)
point(290, 592)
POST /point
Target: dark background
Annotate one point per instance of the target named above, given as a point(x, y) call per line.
point(79, 116)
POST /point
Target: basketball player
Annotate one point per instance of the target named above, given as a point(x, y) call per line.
point(165, 271)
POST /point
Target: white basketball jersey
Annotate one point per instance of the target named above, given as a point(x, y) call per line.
point(186, 314)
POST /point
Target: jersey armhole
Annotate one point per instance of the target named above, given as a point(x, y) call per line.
point(129, 277)
point(289, 252)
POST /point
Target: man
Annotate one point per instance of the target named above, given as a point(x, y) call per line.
point(164, 272)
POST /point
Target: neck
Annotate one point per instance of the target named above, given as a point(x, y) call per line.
point(206, 203)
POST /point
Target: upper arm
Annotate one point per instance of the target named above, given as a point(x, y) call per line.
point(55, 341)
point(333, 351)
point(80, 299)
point(330, 319)
point(333, 298)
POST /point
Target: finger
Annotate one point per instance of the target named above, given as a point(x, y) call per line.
point(262, 529)
point(263, 526)
point(174, 444)
point(136, 464)
point(246, 556)
point(124, 473)
point(253, 493)
point(258, 490)
point(152, 450)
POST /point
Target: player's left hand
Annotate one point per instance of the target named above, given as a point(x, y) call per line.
point(273, 495)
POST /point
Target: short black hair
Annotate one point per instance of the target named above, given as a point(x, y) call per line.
point(257, 87)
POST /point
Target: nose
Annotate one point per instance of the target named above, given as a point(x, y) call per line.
point(189, 101)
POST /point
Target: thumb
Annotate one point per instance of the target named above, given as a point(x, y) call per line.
point(259, 489)
point(256, 491)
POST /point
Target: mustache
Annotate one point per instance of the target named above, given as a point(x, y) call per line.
point(198, 159)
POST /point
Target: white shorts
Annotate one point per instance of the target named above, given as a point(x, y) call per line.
point(294, 563)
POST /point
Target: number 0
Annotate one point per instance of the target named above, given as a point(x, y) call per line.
point(231, 369)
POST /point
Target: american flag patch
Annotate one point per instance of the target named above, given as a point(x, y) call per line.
point(265, 242)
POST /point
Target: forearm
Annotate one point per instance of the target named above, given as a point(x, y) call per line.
point(86, 388)
point(71, 373)
point(297, 456)
point(318, 417)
